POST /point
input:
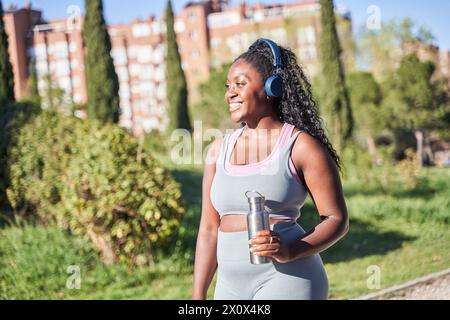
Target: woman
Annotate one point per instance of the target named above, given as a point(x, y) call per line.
point(268, 92)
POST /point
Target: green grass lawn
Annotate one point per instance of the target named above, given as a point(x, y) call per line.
point(403, 232)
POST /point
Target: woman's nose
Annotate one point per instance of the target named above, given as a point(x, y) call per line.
point(230, 94)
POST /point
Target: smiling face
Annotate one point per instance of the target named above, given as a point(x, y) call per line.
point(245, 93)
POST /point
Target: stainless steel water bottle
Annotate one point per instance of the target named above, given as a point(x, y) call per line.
point(257, 220)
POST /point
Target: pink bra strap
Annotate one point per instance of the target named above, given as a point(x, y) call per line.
point(286, 134)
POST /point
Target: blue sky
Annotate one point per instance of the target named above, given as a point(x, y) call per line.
point(429, 13)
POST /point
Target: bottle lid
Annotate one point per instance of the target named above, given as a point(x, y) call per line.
point(256, 202)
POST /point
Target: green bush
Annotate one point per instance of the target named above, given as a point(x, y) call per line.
point(92, 179)
point(359, 166)
point(12, 117)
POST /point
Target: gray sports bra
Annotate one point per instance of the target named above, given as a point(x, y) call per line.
point(275, 178)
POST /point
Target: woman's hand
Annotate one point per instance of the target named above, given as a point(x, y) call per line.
point(268, 244)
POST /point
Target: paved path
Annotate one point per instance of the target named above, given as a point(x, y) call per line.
point(435, 286)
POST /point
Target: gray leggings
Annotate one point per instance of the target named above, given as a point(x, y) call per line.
point(238, 279)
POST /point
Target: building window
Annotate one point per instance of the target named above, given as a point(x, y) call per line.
point(132, 52)
point(161, 92)
point(76, 81)
point(134, 69)
point(74, 64)
point(192, 16)
point(60, 50)
point(72, 47)
point(146, 89)
point(214, 42)
point(42, 68)
point(306, 35)
point(158, 54)
point(223, 19)
point(193, 35)
point(158, 27)
point(179, 26)
point(141, 30)
point(146, 72)
point(124, 91)
point(195, 53)
point(308, 52)
point(40, 52)
point(274, 12)
point(160, 73)
point(77, 98)
point(258, 16)
point(65, 84)
point(119, 55)
point(61, 68)
point(122, 73)
point(144, 54)
point(234, 44)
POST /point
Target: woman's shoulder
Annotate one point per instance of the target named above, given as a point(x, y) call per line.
point(304, 140)
point(306, 148)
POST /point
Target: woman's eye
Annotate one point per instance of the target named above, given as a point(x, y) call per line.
point(237, 85)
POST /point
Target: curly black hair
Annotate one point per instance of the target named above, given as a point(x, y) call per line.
point(296, 106)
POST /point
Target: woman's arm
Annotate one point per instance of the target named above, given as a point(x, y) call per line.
point(322, 180)
point(321, 177)
point(205, 253)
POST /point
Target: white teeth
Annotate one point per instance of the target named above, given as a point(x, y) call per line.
point(235, 106)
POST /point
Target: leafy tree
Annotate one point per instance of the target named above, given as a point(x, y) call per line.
point(212, 108)
point(6, 70)
point(33, 90)
point(334, 99)
point(53, 96)
point(365, 97)
point(102, 80)
point(177, 92)
point(414, 101)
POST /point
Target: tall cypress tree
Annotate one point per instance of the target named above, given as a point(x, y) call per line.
point(176, 82)
point(33, 93)
point(102, 80)
point(6, 70)
point(335, 102)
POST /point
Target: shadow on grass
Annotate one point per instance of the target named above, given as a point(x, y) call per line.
point(422, 191)
point(363, 238)
point(191, 187)
point(428, 186)
point(191, 184)
point(6, 215)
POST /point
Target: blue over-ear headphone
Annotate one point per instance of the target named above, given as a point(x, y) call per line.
point(274, 84)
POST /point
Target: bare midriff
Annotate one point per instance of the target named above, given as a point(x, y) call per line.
point(238, 222)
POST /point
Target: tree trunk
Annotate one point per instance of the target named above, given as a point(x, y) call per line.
point(105, 248)
point(419, 143)
point(372, 148)
point(427, 148)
